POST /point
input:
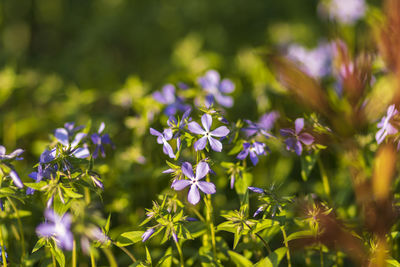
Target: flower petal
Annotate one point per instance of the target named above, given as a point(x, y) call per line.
point(17, 181)
point(226, 86)
point(195, 128)
point(202, 169)
point(306, 138)
point(215, 144)
point(220, 131)
point(200, 144)
point(187, 170)
point(299, 125)
point(62, 136)
point(2, 150)
point(286, 132)
point(101, 128)
point(223, 100)
point(206, 187)
point(155, 132)
point(254, 158)
point(168, 150)
point(206, 120)
point(180, 184)
point(81, 153)
point(193, 195)
point(77, 139)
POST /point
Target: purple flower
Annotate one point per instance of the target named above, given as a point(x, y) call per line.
point(58, 228)
point(315, 62)
point(194, 181)
point(255, 149)
point(44, 169)
point(211, 82)
point(385, 126)
point(167, 97)
point(263, 126)
point(146, 235)
point(100, 141)
point(256, 189)
point(345, 11)
point(64, 135)
point(15, 155)
point(162, 138)
point(206, 121)
point(258, 211)
point(296, 137)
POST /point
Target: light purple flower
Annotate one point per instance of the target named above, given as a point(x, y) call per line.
point(216, 89)
point(315, 62)
point(6, 158)
point(296, 137)
point(385, 126)
point(345, 11)
point(58, 228)
point(263, 126)
point(146, 235)
point(162, 138)
point(195, 181)
point(44, 169)
point(256, 189)
point(206, 121)
point(15, 155)
point(100, 140)
point(255, 149)
point(167, 97)
point(64, 136)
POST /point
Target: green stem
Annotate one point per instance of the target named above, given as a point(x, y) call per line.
point(127, 253)
point(3, 249)
point(19, 225)
point(74, 254)
point(53, 260)
point(324, 177)
point(110, 257)
point(209, 219)
point(321, 255)
point(92, 260)
point(262, 239)
point(179, 248)
point(286, 245)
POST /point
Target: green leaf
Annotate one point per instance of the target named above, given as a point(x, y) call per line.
point(393, 263)
point(239, 260)
point(36, 186)
point(70, 192)
point(166, 260)
point(59, 255)
point(129, 238)
point(300, 234)
point(148, 256)
point(307, 164)
point(273, 259)
point(40, 243)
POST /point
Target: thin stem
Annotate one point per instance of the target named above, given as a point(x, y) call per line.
point(178, 246)
point(19, 225)
point(53, 260)
point(286, 245)
point(110, 257)
point(209, 219)
point(3, 248)
point(321, 256)
point(127, 253)
point(74, 254)
point(324, 177)
point(92, 260)
point(261, 238)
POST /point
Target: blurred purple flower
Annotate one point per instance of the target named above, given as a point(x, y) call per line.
point(315, 62)
point(58, 228)
point(296, 137)
point(162, 138)
point(385, 126)
point(206, 121)
point(344, 11)
point(167, 97)
point(15, 155)
point(146, 235)
point(100, 140)
point(195, 184)
point(211, 82)
point(263, 126)
point(256, 189)
point(6, 158)
point(255, 149)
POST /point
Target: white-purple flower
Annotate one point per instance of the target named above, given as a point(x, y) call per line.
point(345, 11)
point(6, 158)
point(146, 235)
point(385, 126)
point(64, 136)
point(263, 126)
point(163, 138)
point(254, 150)
point(315, 62)
point(208, 135)
point(195, 182)
point(216, 89)
point(100, 140)
point(58, 228)
point(296, 137)
point(167, 97)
